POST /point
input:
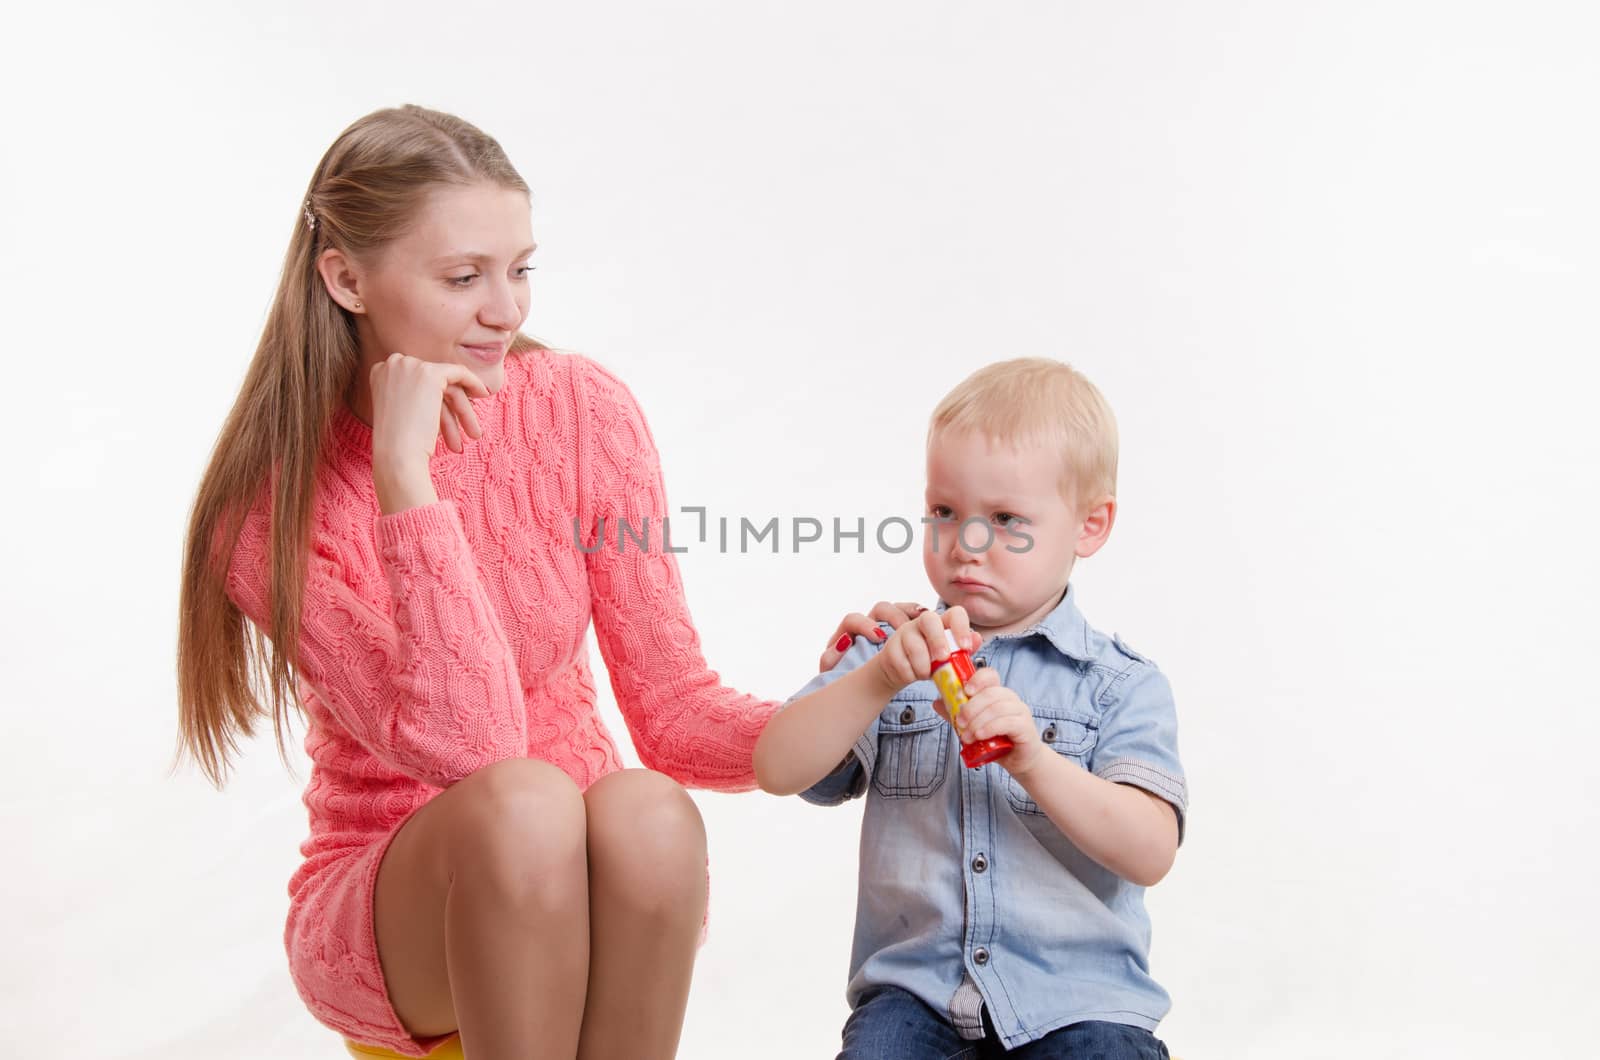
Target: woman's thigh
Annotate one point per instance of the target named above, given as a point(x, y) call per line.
point(891, 1024)
point(512, 824)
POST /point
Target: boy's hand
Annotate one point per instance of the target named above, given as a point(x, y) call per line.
point(917, 648)
point(995, 710)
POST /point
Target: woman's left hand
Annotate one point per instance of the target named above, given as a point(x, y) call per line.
point(856, 624)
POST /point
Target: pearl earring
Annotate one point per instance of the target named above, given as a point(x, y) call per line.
point(358, 305)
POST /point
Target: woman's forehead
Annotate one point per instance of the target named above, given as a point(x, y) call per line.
point(482, 220)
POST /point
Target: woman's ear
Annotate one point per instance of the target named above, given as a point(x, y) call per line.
point(341, 277)
point(1096, 527)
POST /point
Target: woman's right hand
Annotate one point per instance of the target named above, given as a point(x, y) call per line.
point(855, 624)
point(413, 402)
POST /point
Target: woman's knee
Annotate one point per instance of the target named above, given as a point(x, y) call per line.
point(515, 824)
point(647, 837)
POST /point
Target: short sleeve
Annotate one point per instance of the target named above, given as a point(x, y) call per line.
point(1138, 742)
point(849, 780)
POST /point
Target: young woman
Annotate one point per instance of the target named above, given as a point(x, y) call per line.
point(419, 507)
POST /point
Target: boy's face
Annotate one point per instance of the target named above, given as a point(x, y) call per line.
point(999, 495)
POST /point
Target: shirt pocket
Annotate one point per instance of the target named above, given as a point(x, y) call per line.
point(913, 745)
point(1069, 733)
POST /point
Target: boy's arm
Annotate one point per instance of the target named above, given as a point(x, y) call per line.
point(1125, 813)
point(806, 740)
point(1128, 830)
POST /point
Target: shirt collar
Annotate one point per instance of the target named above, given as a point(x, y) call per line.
point(1063, 627)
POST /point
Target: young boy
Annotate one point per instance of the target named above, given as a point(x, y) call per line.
point(1001, 909)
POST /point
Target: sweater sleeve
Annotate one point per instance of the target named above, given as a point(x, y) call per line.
point(429, 688)
point(684, 722)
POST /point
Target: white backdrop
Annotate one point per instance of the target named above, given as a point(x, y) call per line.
point(1333, 264)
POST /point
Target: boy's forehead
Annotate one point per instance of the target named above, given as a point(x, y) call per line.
point(971, 462)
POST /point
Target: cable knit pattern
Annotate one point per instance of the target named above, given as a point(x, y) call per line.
point(443, 638)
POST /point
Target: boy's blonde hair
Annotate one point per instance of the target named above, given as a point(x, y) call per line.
point(1036, 401)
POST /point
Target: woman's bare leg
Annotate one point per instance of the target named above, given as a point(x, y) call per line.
point(482, 914)
point(647, 901)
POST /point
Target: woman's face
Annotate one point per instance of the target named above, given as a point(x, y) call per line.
point(454, 289)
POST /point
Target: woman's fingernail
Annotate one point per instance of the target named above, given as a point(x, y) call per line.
point(880, 634)
point(843, 644)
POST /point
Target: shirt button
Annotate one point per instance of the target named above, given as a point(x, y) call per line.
point(908, 716)
point(980, 956)
point(1049, 734)
point(980, 661)
point(980, 863)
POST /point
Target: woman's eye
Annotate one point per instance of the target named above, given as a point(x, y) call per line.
point(522, 273)
point(462, 281)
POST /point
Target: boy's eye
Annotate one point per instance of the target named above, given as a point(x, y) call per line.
point(940, 511)
point(1004, 519)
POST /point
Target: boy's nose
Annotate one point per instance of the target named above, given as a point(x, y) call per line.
point(959, 553)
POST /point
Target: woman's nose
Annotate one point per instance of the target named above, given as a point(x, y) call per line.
point(502, 311)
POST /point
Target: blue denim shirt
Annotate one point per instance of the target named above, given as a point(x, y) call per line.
point(969, 896)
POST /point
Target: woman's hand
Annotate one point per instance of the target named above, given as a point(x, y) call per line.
point(856, 624)
point(413, 402)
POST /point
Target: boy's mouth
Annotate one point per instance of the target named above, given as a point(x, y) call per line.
point(968, 584)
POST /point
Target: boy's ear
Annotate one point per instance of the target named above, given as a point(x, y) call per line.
point(1096, 527)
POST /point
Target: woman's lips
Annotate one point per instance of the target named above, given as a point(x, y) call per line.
point(486, 354)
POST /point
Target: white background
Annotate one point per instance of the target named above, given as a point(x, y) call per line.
point(1332, 264)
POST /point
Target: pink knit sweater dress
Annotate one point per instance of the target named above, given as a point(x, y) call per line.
point(446, 637)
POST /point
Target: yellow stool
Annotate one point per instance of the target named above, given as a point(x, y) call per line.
point(450, 1049)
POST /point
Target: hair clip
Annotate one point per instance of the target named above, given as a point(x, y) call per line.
point(311, 218)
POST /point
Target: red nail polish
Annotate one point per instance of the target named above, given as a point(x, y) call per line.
point(880, 634)
point(843, 644)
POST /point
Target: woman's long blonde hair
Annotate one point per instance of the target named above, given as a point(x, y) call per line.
point(364, 193)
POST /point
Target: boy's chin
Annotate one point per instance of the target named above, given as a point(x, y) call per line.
point(982, 609)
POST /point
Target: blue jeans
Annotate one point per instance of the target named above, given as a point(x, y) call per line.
point(891, 1024)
